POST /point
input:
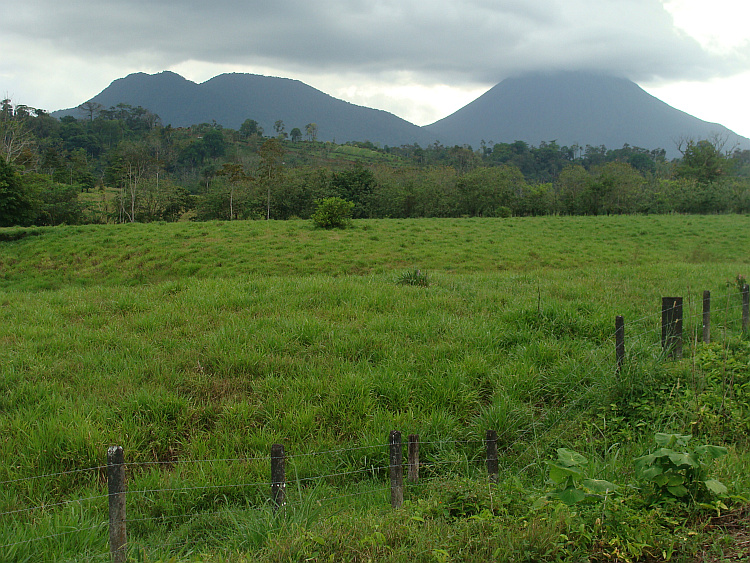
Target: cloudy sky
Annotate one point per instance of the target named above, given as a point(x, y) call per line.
point(419, 59)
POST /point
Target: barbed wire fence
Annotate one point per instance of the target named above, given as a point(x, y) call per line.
point(110, 524)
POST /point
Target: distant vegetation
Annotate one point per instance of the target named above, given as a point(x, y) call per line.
point(120, 164)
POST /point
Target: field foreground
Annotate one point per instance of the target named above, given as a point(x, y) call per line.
point(198, 346)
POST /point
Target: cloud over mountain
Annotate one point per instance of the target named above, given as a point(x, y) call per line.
point(444, 40)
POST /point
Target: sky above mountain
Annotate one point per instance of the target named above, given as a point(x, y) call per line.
point(420, 60)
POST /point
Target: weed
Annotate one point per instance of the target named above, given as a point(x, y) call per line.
point(675, 472)
point(568, 474)
point(413, 277)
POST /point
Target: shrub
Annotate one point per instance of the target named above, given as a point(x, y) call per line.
point(333, 213)
point(503, 212)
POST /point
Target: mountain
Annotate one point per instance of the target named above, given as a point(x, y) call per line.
point(230, 99)
point(567, 107)
point(575, 108)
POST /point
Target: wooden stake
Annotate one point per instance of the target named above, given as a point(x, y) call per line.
point(619, 342)
point(278, 476)
point(492, 463)
point(671, 326)
point(413, 458)
point(116, 489)
point(396, 469)
point(706, 317)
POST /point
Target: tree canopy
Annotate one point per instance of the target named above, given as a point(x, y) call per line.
point(121, 164)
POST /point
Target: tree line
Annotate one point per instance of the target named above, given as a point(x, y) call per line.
point(121, 164)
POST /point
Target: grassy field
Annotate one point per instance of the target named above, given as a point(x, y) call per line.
point(197, 346)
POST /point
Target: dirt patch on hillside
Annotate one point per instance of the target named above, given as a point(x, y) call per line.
point(731, 533)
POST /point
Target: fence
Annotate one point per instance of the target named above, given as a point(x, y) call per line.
point(376, 476)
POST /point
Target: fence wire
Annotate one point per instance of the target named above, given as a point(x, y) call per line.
point(642, 334)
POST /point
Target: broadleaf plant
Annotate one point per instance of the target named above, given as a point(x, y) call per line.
point(572, 485)
point(674, 472)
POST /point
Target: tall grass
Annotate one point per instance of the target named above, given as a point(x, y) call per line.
point(187, 342)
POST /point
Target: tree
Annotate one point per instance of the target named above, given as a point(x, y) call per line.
point(573, 183)
point(53, 203)
point(355, 185)
point(624, 188)
point(295, 134)
point(489, 192)
point(162, 200)
point(17, 144)
point(270, 169)
point(249, 128)
point(701, 161)
point(301, 188)
point(214, 143)
point(91, 108)
point(131, 164)
point(237, 177)
point(15, 203)
point(311, 130)
point(278, 126)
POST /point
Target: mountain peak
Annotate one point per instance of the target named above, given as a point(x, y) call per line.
point(575, 108)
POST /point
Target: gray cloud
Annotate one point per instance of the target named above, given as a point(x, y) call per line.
point(442, 41)
point(418, 59)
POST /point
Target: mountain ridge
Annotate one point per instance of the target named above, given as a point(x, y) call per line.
point(571, 108)
point(230, 99)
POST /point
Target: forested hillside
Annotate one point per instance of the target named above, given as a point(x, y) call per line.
point(120, 164)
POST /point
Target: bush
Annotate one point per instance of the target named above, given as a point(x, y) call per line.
point(333, 213)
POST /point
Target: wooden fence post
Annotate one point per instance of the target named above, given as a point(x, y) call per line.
point(706, 317)
point(745, 307)
point(396, 469)
point(413, 458)
point(671, 326)
point(278, 477)
point(619, 342)
point(116, 489)
point(492, 463)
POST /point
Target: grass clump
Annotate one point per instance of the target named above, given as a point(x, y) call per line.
point(413, 277)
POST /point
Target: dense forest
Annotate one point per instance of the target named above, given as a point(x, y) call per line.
point(122, 165)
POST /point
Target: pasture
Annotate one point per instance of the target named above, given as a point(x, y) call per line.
point(196, 346)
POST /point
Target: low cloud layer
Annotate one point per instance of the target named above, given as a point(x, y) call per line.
point(453, 43)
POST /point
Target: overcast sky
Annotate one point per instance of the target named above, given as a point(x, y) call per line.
point(419, 59)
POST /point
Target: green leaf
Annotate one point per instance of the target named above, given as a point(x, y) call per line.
point(598, 485)
point(683, 460)
point(712, 452)
point(674, 479)
point(672, 440)
point(678, 491)
point(716, 487)
point(569, 458)
point(569, 496)
point(558, 474)
point(649, 473)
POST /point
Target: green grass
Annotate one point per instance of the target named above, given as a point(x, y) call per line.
point(212, 341)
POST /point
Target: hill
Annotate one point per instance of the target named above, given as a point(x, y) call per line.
point(230, 99)
point(569, 107)
point(576, 108)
